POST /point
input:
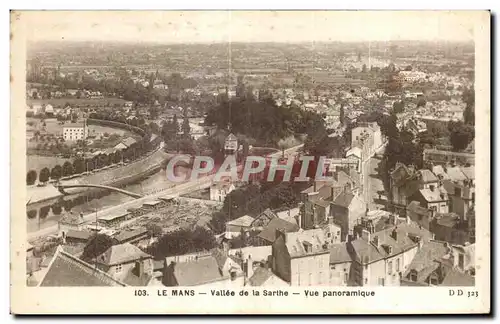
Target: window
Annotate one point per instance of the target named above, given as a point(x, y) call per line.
point(366, 281)
point(397, 264)
point(346, 277)
point(329, 235)
point(433, 280)
point(320, 276)
point(381, 281)
point(413, 275)
point(118, 268)
point(389, 267)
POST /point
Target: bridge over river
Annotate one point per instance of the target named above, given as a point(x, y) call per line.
point(61, 188)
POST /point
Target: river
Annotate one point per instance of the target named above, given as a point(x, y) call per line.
point(96, 199)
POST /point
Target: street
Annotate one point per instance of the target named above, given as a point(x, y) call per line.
point(372, 184)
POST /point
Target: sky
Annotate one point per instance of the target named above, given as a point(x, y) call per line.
point(248, 26)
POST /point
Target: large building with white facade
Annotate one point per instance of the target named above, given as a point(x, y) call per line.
point(75, 131)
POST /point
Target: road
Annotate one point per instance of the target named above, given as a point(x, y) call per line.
point(179, 189)
point(372, 184)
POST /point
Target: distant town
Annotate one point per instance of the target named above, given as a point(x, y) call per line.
point(394, 120)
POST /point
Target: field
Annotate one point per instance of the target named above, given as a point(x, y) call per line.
point(38, 162)
point(74, 102)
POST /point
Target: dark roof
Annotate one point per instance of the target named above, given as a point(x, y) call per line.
point(344, 199)
point(197, 272)
point(69, 271)
point(121, 253)
point(367, 252)
point(339, 253)
point(415, 207)
point(269, 232)
point(457, 278)
point(425, 261)
point(449, 219)
point(260, 276)
point(127, 235)
point(83, 235)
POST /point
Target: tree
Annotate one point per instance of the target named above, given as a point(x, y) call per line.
point(468, 97)
point(183, 241)
point(421, 102)
point(154, 230)
point(67, 169)
point(44, 175)
point(286, 143)
point(460, 135)
point(186, 129)
point(96, 245)
point(79, 165)
point(31, 177)
point(398, 107)
point(56, 172)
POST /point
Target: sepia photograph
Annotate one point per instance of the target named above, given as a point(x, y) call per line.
point(206, 154)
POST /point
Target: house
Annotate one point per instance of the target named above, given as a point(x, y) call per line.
point(268, 234)
point(73, 237)
point(231, 144)
point(340, 265)
point(203, 271)
point(346, 209)
point(126, 263)
point(263, 219)
point(228, 264)
point(66, 270)
point(418, 214)
point(450, 227)
point(441, 264)
point(380, 258)
point(239, 225)
point(332, 232)
point(126, 143)
point(462, 196)
point(264, 277)
point(301, 258)
point(443, 157)
point(75, 131)
point(219, 190)
point(433, 198)
point(112, 220)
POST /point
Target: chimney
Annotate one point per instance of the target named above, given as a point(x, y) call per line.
point(394, 234)
point(365, 235)
point(330, 220)
point(376, 241)
point(281, 232)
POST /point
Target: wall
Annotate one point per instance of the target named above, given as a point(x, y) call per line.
point(312, 270)
point(281, 260)
point(338, 274)
point(341, 216)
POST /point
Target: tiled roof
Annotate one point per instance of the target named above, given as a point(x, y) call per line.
point(314, 238)
point(339, 253)
point(367, 252)
point(456, 174)
point(458, 279)
point(126, 235)
point(344, 199)
point(83, 235)
point(269, 232)
point(197, 272)
point(66, 270)
point(428, 176)
point(438, 194)
point(121, 253)
point(244, 221)
point(129, 141)
point(426, 260)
